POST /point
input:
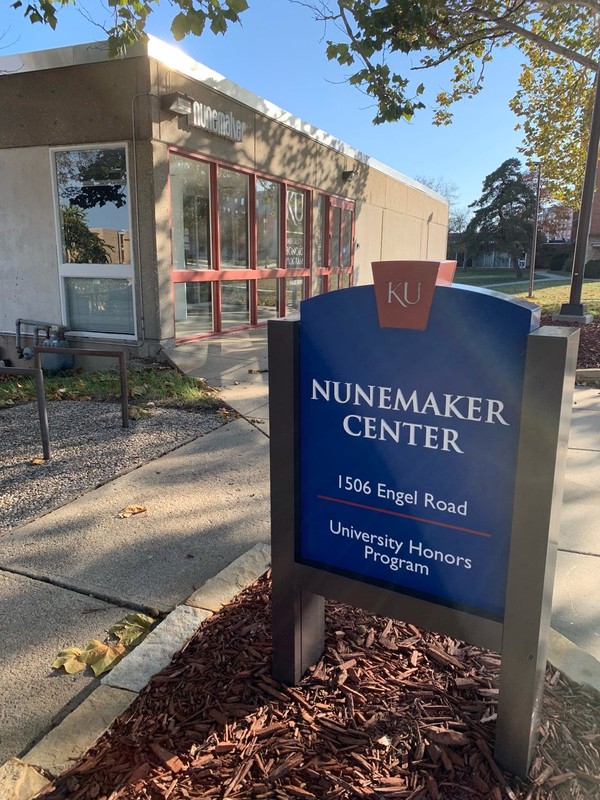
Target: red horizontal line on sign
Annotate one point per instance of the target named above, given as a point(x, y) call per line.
point(404, 516)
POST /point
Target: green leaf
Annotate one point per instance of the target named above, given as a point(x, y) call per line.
point(180, 26)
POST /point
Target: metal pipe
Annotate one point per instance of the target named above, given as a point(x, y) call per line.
point(535, 231)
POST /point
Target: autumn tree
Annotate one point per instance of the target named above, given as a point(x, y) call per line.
point(503, 216)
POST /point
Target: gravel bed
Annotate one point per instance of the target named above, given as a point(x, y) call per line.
point(88, 447)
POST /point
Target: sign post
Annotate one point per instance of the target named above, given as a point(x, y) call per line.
point(418, 442)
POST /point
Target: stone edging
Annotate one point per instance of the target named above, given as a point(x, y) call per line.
point(23, 779)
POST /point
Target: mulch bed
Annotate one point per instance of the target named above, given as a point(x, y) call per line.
point(388, 712)
point(588, 356)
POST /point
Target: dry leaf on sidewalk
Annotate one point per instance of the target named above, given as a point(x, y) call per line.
point(129, 511)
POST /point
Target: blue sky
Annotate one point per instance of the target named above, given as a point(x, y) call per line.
point(279, 53)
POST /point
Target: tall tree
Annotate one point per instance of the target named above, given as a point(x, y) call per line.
point(503, 218)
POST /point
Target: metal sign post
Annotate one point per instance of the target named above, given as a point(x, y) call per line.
point(416, 472)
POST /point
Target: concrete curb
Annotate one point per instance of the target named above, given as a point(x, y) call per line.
point(24, 779)
point(584, 375)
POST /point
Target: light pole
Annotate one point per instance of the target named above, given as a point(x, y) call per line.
point(574, 308)
point(535, 230)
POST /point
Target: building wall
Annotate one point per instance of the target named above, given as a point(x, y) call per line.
point(28, 258)
point(119, 101)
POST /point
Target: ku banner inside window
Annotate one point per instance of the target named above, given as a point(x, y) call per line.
point(95, 261)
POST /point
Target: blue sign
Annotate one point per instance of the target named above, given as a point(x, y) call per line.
point(409, 443)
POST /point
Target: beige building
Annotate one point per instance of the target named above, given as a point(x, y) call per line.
point(147, 201)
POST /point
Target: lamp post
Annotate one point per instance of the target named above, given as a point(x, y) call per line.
point(574, 308)
point(535, 230)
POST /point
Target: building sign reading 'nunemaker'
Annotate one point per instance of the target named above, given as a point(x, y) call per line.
point(221, 123)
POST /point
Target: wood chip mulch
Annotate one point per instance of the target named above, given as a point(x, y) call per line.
point(389, 712)
point(588, 355)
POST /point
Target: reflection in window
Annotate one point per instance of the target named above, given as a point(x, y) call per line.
point(336, 223)
point(295, 241)
point(320, 232)
point(233, 218)
point(294, 294)
point(347, 239)
point(235, 304)
point(92, 197)
point(268, 299)
point(100, 305)
point(193, 309)
point(267, 223)
point(190, 209)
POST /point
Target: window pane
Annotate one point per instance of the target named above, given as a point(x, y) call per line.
point(267, 223)
point(347, 239)
point(294, 294)
point(190, 211)
point(193, 309)
point(100, 305)
point(336, 223)
point(268, 299)
point(92, 198)
point(320, 231)
point(295, 242)
point(233, 219)
point(344, 280)
point(235, 305)
point(322, 285)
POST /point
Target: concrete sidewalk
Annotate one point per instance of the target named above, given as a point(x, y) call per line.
point(71, 574)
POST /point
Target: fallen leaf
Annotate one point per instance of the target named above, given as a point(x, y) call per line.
point(37, 461)
point(135, 412)
point(101, 657)
point(69, 660)
point(132, 629)
point(129, 511)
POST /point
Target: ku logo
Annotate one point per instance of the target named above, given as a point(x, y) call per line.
point(404, 293)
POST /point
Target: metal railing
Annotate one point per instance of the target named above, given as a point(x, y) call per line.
point(82, 351)
point(37, 374)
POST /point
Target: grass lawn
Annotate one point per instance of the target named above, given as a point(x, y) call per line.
point(550, 298)
point(154, 383)
point(481, 277)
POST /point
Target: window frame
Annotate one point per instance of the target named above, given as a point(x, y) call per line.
point(94, 271)
point(216, 275)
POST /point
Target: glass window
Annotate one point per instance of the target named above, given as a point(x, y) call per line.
point(344, 280)
point(320, 232)
point(268, 299)
point(100, 305)
point(193, 308)
point(93, 204)
point(233, 219)
point(190, 213)
point(235, 304)
point(336, 224)
point(294, 294)
point(267, 223)
point(295, 244)
point(347, 239)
